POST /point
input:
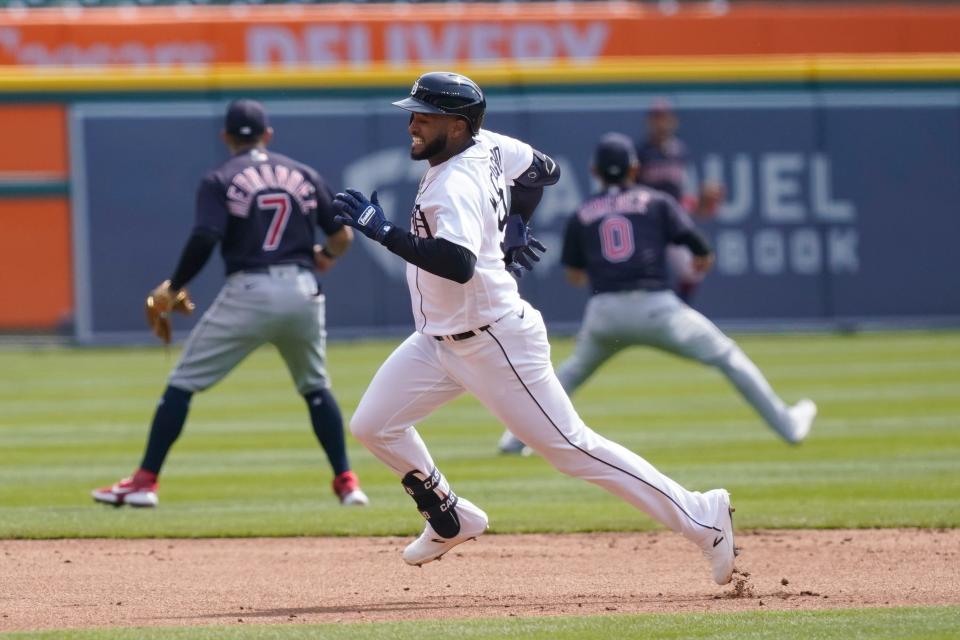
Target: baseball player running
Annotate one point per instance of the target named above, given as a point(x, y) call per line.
point(474, 333)
point(264, 208)
point(617, 243)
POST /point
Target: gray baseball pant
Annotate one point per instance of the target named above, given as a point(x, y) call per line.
point(615, 321)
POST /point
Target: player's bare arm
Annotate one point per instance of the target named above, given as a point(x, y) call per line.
point(339, 242)
point(711, 196)
point(575, 277)
point(703, 264)
point(336, 245)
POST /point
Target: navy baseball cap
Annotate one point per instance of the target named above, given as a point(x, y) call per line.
point(246, 119)
point(614, 156)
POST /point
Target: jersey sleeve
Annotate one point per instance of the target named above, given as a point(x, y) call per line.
point(678, 222)
point(460, 213)
point(573, 254)
point(211, 214)
point(325, 211)
point(516, 155)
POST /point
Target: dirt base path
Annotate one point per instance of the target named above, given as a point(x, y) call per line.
point(114, 583)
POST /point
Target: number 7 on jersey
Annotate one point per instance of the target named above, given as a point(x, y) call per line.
point(279, 203)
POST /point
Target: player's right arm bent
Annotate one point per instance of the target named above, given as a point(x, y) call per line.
point(438, 256)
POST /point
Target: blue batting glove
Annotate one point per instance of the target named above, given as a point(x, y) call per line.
point(519, 247)
point(354, 210)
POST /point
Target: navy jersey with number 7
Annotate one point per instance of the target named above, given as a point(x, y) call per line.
point(265, 208)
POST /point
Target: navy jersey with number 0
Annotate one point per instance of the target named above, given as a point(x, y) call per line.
point(265, 208)
point(620, 237)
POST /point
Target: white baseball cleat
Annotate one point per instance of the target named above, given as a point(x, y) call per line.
point(719, 549)
point(802, 415)
point(355, 498)
point(512, 445)
point(431, 545)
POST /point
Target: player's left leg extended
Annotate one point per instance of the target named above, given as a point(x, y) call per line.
point(688, 333)
point(508, 368)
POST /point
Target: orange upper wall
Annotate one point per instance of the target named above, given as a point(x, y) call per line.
point(37, 135)
point(351, 35)
point(35, 255)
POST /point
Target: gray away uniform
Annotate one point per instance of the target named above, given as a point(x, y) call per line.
point(265, 207)
point(619, 238)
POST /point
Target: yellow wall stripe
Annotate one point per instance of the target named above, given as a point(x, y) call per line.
point(784, 68)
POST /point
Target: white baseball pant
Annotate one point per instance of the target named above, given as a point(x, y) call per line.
point(508, 369)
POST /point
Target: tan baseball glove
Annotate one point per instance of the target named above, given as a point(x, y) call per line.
point(160, 302)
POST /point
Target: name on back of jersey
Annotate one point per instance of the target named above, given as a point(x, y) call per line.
point(497, 196)
point(632, 201)
point(252, 180)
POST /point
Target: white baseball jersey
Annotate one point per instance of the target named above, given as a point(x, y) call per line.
point(465, 201)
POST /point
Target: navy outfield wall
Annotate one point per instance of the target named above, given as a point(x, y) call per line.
point(842, 205)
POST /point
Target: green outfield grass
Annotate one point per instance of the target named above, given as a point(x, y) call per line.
point(885, 451)
point(939, 623)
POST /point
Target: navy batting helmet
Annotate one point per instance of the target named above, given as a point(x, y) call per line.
point(448, 93)
point(614, 156)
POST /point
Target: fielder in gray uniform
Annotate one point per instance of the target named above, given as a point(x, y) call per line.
point(263, 209)
point(616, 242)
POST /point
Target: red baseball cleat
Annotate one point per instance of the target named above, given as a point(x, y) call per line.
point(139, 490)
point(347, 487)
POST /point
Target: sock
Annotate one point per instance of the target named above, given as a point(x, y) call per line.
point(328, 427)
point(167, 424)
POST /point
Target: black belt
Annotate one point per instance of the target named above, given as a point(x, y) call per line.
point(457, 337)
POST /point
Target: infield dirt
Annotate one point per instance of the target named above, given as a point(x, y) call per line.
point(54, 584)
